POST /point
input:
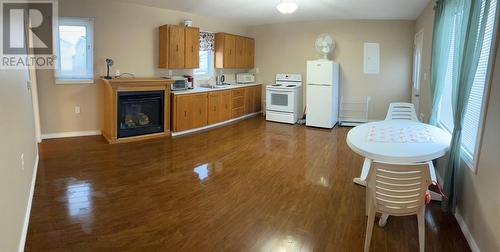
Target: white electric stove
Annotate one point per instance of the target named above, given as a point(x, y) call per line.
point(284, 99)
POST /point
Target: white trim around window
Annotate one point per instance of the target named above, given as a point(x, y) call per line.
point(85, 75)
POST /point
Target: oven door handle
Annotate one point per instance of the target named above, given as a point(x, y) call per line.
point(280, 91)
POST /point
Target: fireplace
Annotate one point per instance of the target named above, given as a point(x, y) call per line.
point(140, 113)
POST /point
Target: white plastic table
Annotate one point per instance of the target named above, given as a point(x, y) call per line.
point(396, 152)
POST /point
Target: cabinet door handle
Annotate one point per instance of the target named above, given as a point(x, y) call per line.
point(192, 50)
point(185, 113)
point(176, 48)
point(229, 51)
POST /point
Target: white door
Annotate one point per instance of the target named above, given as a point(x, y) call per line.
point(319, 106)
point(417, 66)
point(319, 72)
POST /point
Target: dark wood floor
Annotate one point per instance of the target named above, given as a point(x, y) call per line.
point(250, 186)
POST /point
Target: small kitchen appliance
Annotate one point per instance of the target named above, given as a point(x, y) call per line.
point(180, 83)
point(284, 99)
point(219, 79)
point(190, 81)
point(244, 78)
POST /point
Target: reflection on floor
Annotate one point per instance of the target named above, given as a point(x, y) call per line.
point(250, 186)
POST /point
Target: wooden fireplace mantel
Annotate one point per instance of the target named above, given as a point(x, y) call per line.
point(111, 89)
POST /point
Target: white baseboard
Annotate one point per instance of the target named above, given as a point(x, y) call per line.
point(465, 230)
point(213, 125)
point(24, 232)
point(71, 134)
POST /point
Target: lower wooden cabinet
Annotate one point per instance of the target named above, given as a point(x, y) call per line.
point(249, 102)
point(190, 111)
point(257, 98)
point(225, 106)
point(219, 106)
point(253, 99)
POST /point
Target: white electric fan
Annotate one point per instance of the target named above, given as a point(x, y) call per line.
point(324, 45)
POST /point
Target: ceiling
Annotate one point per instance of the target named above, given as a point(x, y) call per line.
point(256, 12)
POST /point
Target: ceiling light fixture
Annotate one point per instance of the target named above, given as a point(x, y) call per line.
point(287, 6)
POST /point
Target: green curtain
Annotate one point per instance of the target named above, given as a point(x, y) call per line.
point(460, 32)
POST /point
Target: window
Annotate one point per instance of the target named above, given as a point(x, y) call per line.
point(206, 68)
point(75, 62)
point(474, 110)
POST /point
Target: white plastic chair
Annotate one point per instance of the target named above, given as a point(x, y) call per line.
point(397, 189)
point(401, 111)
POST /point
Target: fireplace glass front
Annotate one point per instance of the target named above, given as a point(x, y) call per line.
point(140, 113)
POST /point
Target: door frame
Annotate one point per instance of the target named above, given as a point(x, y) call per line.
point(32, 83)
point(417, 75)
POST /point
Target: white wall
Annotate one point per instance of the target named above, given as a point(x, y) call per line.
point(17, 134)
point(125, 32)
point(284, 48)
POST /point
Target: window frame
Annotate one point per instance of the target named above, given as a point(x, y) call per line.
point(206, 77)
point(80, 21)
point(472, 159)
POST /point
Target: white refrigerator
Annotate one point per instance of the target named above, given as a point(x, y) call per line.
point(322, 93)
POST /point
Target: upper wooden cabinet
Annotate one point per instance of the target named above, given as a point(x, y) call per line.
point(192, 48)
point(178, 47)
point(232, 51)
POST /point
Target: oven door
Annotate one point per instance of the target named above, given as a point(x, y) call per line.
point(279, 100)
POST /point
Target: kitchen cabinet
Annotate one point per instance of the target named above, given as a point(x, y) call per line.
point(214, 107)
point(249, 102)
point(225, 105)
point(192, 47)
point(238, 102)
point(249, 53)
point(189, 111)
point(219, 106)
point(199, 109)
point(257, 98)
point(233, 51)
point(195, 110)
point(178, 47)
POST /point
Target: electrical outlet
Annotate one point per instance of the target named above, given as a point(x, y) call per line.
point(256, 70)
point(117, 73)
point(422, 116)
point(77, 110)
point(22, 161)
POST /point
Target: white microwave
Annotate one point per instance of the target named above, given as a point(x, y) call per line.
point(245, 78)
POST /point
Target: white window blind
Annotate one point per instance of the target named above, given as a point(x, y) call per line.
point(445, 112)
point(474, 107)
point(75, 50)
point(206, 67)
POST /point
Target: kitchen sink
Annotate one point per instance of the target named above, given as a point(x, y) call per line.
point(216, 86)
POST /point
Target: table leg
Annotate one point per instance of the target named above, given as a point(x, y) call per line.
point(361, 180)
